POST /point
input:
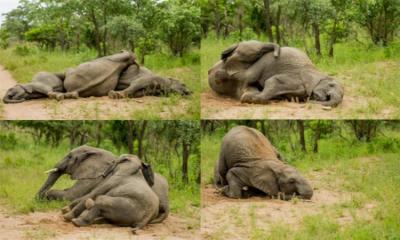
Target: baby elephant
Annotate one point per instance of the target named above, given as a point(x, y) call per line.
point(43, 84)
point(137, 81)
point(124, 198)
point(249, 164)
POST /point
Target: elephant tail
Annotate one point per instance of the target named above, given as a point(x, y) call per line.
point(6, 99)
point(162, 214)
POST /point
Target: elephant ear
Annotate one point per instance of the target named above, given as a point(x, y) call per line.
point(91, 164)
point(27, 87)
point(228, 52)
point(148, 173)
point(265, 178)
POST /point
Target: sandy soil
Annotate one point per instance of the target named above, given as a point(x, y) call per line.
point(50, 225)
point(238, 218)
point(215, 106)
point(85, 108)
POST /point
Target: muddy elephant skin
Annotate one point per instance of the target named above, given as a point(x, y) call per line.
point(248, 162)
point(290, 75)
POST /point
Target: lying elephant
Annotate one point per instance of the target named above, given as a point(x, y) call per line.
point(124, 198)
point(248, 163)
point(43, 84)
point(138, 81)
point(291, 75)
point(89, 166)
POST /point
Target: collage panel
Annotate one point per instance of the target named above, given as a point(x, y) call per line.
point(96, 59)
point(296, 179)
point(99, 180)
point(300, 59)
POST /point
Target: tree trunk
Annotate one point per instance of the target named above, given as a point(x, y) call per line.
point(317, 136)
point(267, 16)
point(130, 136)
point(140, 139)
point(300, 126)
point(317, 40)
point(277, 25)
point(185, 159)
point(333, 38)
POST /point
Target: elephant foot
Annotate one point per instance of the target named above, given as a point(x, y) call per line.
point(68, 216)
point(72, 95)
point(65, 209)
point(89, 203)
point(57, 96)
point(251, 98)
point(78, 222)
point(116, 95)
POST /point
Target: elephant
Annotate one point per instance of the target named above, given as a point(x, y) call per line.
point(138, 81)
point(290, 75)
point(89, 166)
point(96, 78)
point(124, 198)
point(43, 84)
point(248, 163)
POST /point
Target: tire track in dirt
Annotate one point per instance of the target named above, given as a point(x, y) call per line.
point(50, 225)
point(101, 108)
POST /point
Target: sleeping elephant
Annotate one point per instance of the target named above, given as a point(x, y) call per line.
point(138, 81)
point(43, 84)
point(124, 198)
point(249, 163)
point(290, 75)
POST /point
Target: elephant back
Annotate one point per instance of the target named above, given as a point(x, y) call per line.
point(243, 144)
point(95, 78)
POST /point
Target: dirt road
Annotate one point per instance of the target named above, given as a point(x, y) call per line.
point(101, 108)
point(50, 225)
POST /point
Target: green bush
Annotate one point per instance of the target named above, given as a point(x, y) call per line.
point(22, 50)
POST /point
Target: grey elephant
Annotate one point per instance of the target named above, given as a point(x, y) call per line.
point(89, 166)
point(43, 84)
point(248, 163)
point(96, 78)
point(138, 81)
point(290, 75)
point(124, 198)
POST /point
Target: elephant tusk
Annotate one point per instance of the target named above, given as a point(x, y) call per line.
point(51, 170)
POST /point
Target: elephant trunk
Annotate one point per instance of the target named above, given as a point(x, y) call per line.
point(335, 99)
point(7, 99)
point(305, 191)
point(53, 177)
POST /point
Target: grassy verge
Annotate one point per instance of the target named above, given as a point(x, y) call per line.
point(22, 167)
point(369, 171)
point(367, 71)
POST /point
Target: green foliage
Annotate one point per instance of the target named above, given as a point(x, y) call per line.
point(45, 35)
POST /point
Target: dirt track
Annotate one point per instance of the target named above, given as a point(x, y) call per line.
point(50, 225)
point(85, 108)
point(239, 218)
point(214, 106)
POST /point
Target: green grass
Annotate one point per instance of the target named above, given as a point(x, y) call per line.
point(23, 163)
point(369, 72)
point(24, 64)
point(369, 171)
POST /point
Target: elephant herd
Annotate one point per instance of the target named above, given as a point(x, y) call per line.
point(126, 192)
point(118, 76)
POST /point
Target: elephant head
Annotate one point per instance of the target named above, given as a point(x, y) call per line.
point(220, 81)
point(179, 87)
point(128, 164)
point(328, 92)
point(276, 178)
point(17, 94)
point(83, 162)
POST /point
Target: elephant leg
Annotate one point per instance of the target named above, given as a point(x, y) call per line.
point(141, 84)
point(42, 88)
point(120, 210)
point(61, 96)
point(276, 86)
point(235, 184)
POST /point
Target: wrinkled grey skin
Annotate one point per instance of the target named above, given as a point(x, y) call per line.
point(90, 166)
point(124, 198)
point(138, 81)
point(249, 163)
point(96, 78)
point(291, 75)
point(43, 84)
